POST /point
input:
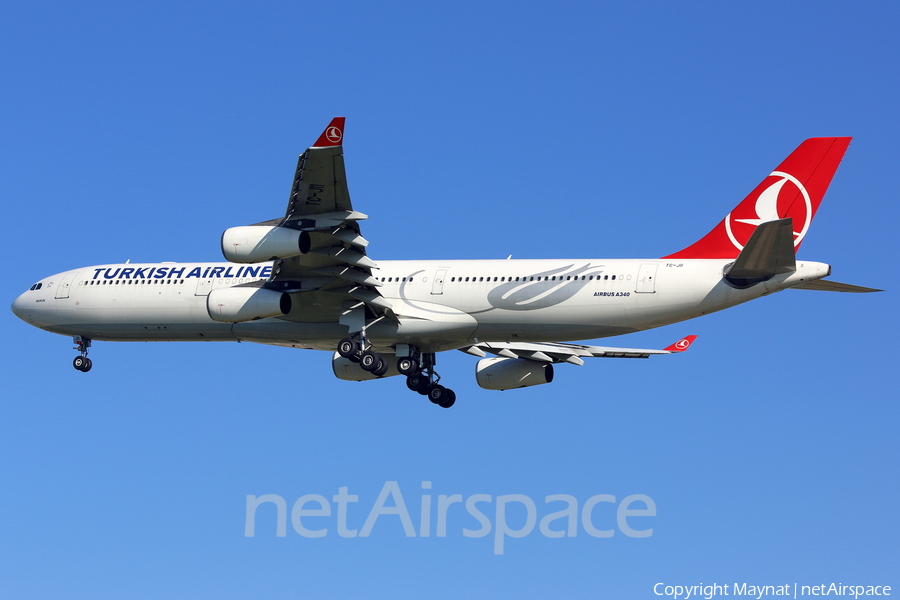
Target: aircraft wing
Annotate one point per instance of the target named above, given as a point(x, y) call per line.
point(334, 274)
point(552, 352)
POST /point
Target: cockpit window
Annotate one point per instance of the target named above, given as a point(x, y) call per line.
point(36, 286)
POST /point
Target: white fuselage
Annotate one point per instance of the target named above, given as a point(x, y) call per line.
point(437, 305)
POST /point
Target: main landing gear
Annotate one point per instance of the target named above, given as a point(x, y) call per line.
point(352, 349)
point(82, 363)
point(419, 369)
point(422, 378)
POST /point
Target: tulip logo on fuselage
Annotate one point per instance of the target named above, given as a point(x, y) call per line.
point(545, 289)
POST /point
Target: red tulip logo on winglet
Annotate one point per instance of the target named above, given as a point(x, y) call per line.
point(682, 344)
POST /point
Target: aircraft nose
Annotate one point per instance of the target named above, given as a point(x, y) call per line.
point(23, 307)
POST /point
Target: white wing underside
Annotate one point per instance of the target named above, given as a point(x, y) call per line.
point(556, 352)
point(333, 281)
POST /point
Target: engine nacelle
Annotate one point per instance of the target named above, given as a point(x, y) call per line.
point(239, 304)
point(346, 369)
point(511, 373)
point(259, 243)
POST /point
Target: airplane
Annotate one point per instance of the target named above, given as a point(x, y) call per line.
point(305, 280)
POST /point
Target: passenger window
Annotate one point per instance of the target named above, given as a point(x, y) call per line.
point(614, 277)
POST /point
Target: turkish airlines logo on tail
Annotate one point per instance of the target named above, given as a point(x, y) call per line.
point(333, 135)
point(780, 200)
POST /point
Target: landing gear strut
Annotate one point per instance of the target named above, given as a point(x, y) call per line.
point(82, 363)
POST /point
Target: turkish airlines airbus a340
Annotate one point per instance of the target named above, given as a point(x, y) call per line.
point(305, 281)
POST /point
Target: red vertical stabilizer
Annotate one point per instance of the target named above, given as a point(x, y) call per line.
point(793, 190)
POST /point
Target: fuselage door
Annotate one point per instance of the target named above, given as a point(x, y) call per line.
point(438, 286)
point(646, 279)
point(62, 290)
point(203, 287)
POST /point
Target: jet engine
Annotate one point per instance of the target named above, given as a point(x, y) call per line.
point(259, 243)
point(239, 304)
point(346, 369)
point(511, 373)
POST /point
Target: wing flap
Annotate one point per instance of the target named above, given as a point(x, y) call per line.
point(334, 256)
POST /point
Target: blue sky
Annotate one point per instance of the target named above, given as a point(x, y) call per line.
point(474, 130)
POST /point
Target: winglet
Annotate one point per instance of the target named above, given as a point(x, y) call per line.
point(333, 134)
point(682, 344)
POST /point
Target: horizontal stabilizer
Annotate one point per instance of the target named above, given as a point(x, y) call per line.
point(823, 285)
point(769, 252)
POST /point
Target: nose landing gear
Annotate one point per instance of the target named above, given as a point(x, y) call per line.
point(82, 363)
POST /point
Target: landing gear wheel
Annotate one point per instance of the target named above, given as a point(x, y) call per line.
point(408, 366)
point(82, 344)
point(449, 400)
point(382, 367)
point(438, 394)
point(369, 360)
point(418, 383)
point(412, 382)
point(348, 348)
